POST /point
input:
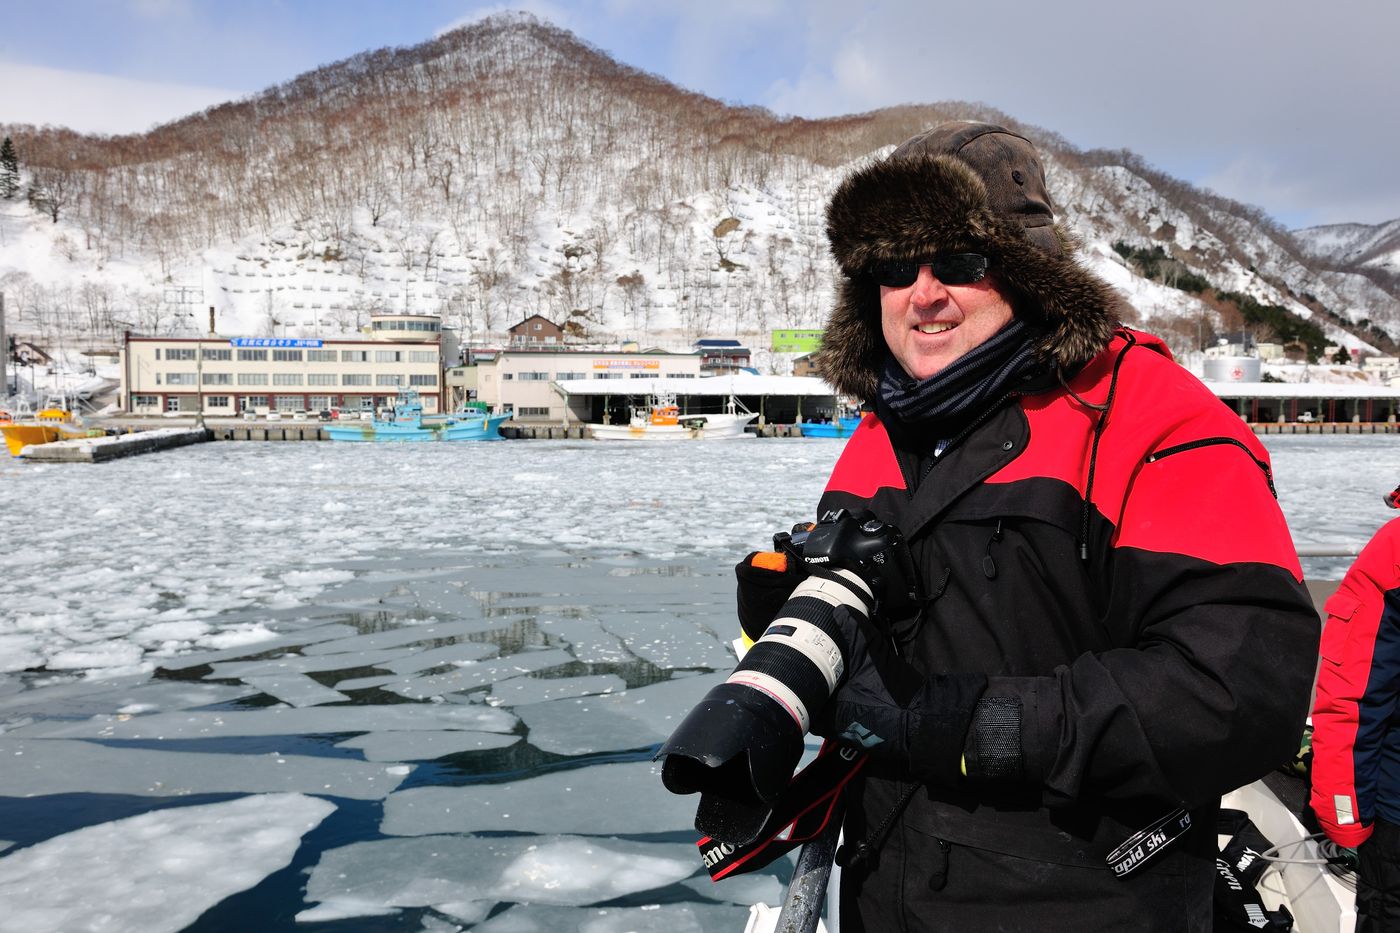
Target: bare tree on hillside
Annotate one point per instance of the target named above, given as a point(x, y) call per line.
point(51, 190)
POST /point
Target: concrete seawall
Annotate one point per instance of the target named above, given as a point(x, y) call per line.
point(304, 431)
point(269, 432)
point(111, 447)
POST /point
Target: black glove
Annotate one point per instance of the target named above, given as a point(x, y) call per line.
point(763, 588)
point(887, 709)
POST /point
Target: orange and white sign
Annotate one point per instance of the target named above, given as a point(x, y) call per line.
point(627, 364)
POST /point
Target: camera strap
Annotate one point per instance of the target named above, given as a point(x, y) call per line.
point(1146, 844)
point(805, 808)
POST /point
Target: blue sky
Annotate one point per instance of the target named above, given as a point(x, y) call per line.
point(1280, 103)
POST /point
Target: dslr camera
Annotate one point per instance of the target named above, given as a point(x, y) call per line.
point(739, 746)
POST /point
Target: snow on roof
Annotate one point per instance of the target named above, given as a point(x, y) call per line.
point(1301, 390)
point(736, 384)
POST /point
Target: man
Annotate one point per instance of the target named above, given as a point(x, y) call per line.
point(1113, 624)
point(1355, 768)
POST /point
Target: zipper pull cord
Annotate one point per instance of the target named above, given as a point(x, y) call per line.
point(1098, 435)
point(989, 566)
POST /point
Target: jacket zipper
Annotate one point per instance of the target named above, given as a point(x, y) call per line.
point(1213, 441)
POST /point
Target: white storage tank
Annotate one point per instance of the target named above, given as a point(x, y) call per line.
point(1232, 369)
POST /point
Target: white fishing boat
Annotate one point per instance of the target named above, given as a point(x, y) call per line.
point(662, 420)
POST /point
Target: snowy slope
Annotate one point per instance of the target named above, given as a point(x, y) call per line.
point(1351, 245)
point(527, 173)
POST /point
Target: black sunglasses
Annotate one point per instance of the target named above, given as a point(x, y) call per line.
point(948, 268)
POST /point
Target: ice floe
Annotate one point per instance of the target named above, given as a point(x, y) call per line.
point(652, 918)
point(425, 746)
point(457, 871)
point(295, 689)
point(638, 718)
point(33, 768)
point(625, 799)
point(466, 677)
point(669, 642)
point(155, 872)
point(279, 721)
point(520, 691)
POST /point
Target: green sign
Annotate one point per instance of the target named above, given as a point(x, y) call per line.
point(796, 341)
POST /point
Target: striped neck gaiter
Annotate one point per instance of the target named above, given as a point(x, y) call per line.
point(972, 380)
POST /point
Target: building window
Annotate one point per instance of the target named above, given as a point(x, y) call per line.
point(425, 380)
point(252, 379)
point(319, 402)
point(286, 379)
point(180, 353)
point(354, 356)
point(407, 325)
point(506, 377)
point(157, 353)
point(320, 356)
point(145, 401)
point(252, 356)
point(255, 401)
point(388, 379)
point(534, 377)
point(218, 379)
point(289, 403)
point(387, 356)
point(527, 411)
point(422, 356)
point(172, 403)
point(286, 356)
point(216, 401)
point(180, 379)
point(607, 376)
point(680, 375)
point(641, 375)
point(565, 377)
point(321, 379)
point(217, 354)
point(356, 379)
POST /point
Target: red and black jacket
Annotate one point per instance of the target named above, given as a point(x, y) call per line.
point(1356, 745)
point(1110, 553)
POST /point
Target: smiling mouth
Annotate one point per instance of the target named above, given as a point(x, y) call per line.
point(934, 328)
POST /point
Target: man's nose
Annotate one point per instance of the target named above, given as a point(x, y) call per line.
point(927, 288)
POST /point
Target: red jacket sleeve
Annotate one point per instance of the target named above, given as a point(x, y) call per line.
point(1358, 683)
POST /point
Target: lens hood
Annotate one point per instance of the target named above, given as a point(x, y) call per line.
point(738, 749)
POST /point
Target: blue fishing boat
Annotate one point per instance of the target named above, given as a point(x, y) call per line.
point(840, 427)
point(406, 423)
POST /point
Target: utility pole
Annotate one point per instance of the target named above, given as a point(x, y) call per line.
point(199, 375)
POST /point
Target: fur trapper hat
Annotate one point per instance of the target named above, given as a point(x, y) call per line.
point(960, 187)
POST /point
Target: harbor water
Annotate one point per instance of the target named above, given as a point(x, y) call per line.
point(343, 687)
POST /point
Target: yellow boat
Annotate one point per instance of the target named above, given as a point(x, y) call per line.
point(50, 424)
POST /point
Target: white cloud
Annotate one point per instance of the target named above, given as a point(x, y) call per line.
point(95, 103)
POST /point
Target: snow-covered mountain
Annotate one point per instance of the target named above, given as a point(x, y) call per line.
point(1355, 244)
point(508, 168)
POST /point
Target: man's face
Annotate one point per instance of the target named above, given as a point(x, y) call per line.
point(928, 325)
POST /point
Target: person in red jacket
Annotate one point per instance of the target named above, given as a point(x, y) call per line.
point(1112, 629)
point(1356, 725)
